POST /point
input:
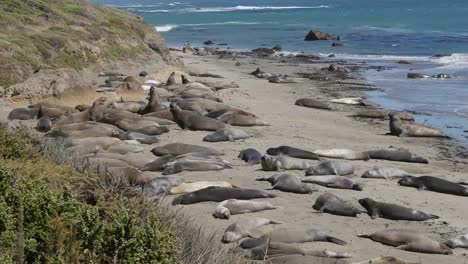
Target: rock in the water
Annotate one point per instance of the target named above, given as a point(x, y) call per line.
point(337, 44)
point(317, 35)
point(415, 75)
point(263, 51)
point(208, 42)
point(331, 56)
point(277, 48)
point(403, 62)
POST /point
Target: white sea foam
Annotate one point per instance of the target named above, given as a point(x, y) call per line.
point(165, 28)
point(229, 9)
point(452, 62)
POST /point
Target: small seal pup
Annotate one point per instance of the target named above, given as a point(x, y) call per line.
point(250, 155)
point(290, 235)
point(160, 185)
point(226, 208)
point(342, 154)
point(458, 242)
point(393, 212)
point(395, 154)
point(434, 184)
point(239, 230)
point(195, 186)
point(333, 181)
point(332, 204)
point(408, 129)
point(44, 124)
point(312, 103)
point(331, 167)
point(177, 149)
point(219, 194)
point(287, 182)
point(226, 134)
point(292, 152)
point(409, 240)
point(384, 173)
point(194, 121)
point(386, 260)
point(276, 163)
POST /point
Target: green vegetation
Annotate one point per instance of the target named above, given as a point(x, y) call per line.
point(50, 213)
point(37, 34)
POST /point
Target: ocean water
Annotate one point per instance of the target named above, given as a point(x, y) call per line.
point(379, 32)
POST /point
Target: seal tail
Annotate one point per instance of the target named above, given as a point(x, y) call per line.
point(364, 235)
point(434, 216)
point(336, 241)
point(273, 222)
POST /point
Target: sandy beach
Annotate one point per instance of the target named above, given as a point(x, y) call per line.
point(312, 129)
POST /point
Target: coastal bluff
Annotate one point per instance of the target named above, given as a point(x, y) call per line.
point(47, 47)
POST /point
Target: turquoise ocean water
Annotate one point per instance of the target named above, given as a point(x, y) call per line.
point(379, 32)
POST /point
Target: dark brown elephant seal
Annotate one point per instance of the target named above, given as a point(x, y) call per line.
point(332, 204)
point(158, 164)
point(292, 152)
point(312, 103)
point(44, 124)
point(401, 128)
point(395, 154)
point(409, 240)
point(23, 113)
point(164, 114)
point(393, 212)
point(434, 184)
point(184, 78)
point(177, 149)
point(381, 113)
point(154, 104)
point(194, 121)
point(171, 79)
point(70, 118)
point(219, 194)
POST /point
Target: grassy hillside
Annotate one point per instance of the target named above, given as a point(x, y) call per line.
point(37, 34)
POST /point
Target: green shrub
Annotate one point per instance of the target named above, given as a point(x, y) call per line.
point(17, 145)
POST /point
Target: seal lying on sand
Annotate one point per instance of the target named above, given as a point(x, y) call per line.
point(250, 155)
point(458, 242)
point(342, 154)
point(219, 194)
point(226, 134)
point(276, 163)
point(408, 129)
point(195, 186)
point(226, 208)
point(160, 185)
point(296, 235)
point(331, 167)
point(292, 152)
point(395, 154)
point(332, 204)
point(384, 173)
point(387, 260)
point(177, 149)
point(194, 121)
point(23, 113)
point(303, 259)
point(434, 184)
point(158, 164)
point(381, 113)
point(141, 138)
point(409, 240)
point(333, 181)
point(286, 182)
point(393, 212)
point(190, 163)
point(312, 103)
point(84, 130)
point(347, 100)
point(239, 230)
point(44, 124)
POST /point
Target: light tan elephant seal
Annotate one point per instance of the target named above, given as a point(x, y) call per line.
point(402, 128)
point(194, 121)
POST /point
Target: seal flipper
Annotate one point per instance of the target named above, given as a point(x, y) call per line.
point(433, 216)
point(336, 241)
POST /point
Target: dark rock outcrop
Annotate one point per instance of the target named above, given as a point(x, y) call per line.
point(317, 35)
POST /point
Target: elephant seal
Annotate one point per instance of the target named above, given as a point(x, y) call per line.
point(347, 100)
point(23, 113)
point(458, 242)
point(300, 235)
point(226, 134)
point(292, 152)
point(150, 130)
point(250, 155)
point(332, 204)
point(333, 181)
point(185, 79)
point(280, 79)
point(408, 129)
point(386, 260)
point(219, 194)
point(44, 124)
point(154, 104)
point(194, 164)
point(392, 211)
point(341, 154)
point(331, 167)
point(226, 208)
point(381, 113)
point(239, 230)
point(84, 130)
point(287, 182)
point(384, 173)
point(141, 138)
point(240, 118)
point(158, 164)
point(276, 163)
point(125, 148)
point(177, 149)
point(409, 240)
point(434, 184)
point(194, 121)
point(395, 154)
point(161, 185)
point(415, 75)
point(195, 186)
point(171, 80)
point(303, 259)
point(312, 103)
